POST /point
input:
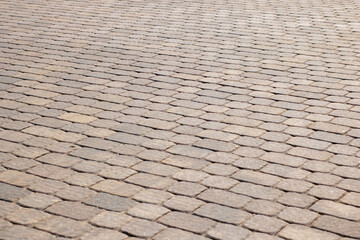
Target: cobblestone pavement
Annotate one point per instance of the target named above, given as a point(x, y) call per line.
point(180, 119)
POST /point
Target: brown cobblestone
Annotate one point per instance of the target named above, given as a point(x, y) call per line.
point(73, 210)
point(337, 225)
point(298, 232)
point(63, 226)
point(264, 224)
point(142, 228)
point(247, 114)
point(226, 231)
point(19, 232)
point(187, 222)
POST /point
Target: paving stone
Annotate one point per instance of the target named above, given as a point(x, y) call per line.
point(47, 186)
point(228, 232)
point(294, 185)
point(60, 160)
point(183, 204)
point(123, 160)
point(27, 216)
point(92, 154)
point(256, 191)
point(155, 168)
point(38, 200)
point(220, 169)
point(186, 188)
point(22, 232)
point(310, 153)
point(336, 209)
point(262, 236)
point(190, 175)
point(264, 224)
point(51, 171)
point(351, 198)
point(285, 171)
point(323, 178)
point(63, 226)
point(73, 210)
point(75, 117)
point(74, 193)
point(344, 160)
point(142, 228)
point(150, 116)
point(250, 163)
point(147, 211)
point(185, 162)
point(152, 196)
point(105, 234)
point(326, 192)
point(189, 151)
point(256, 177)
point(222, 157)
point(109, 202)
point(347, 172)
point(296, 199)
point(148, 180)
point(283, 159)
point(83, 179)
point(7, 208)
point(337, 225)
point(298, 215)
point(117, 188)
point(17, 178)
point(298, 232)
point(222, 213)
point(110, 219)
point(20, 164)
point(224, 198)
point(317, 166)
point(173, 233)
point(350, 184)
point(126, 138)
point(11, 193)
point(249, 152)
point(153, 155)
point(215, 145)
point(264, 207)
point(187, 222)
point(219, 182)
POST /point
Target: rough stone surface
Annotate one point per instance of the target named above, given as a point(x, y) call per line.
point(179, 119)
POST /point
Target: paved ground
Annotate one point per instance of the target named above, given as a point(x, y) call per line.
point(180, 120)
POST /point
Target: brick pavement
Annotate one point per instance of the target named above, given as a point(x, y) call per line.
point(171, 119)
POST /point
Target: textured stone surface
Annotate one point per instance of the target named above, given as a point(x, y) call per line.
point(142, 228)
point(179, 119)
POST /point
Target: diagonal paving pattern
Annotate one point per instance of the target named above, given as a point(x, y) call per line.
point(171, 119)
